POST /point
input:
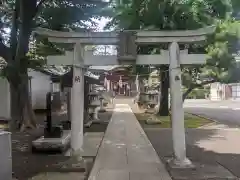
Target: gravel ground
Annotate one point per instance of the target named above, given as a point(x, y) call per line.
point(25, 163)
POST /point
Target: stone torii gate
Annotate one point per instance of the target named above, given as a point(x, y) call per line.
point(79, 59)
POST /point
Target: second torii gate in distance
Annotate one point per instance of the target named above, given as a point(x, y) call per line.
point(79, 59)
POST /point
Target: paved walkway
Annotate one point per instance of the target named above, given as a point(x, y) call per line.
point(126, 153)
point(207, 104)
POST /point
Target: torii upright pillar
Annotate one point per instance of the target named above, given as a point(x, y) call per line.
point(77, 103)
point(177, 112)
point(173, 57)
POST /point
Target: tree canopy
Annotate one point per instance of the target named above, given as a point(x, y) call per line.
point(169, 15)
point(221, 49)
point(182, 15)
point(18, 18)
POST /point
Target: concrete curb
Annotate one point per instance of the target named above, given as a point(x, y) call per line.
point(202, 116)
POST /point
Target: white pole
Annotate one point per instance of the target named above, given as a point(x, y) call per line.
point(177, 112)
point(77, 105)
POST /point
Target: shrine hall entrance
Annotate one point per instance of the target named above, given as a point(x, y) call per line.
point(123, 89)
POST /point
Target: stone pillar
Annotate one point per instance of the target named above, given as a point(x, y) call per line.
point(5, 156)
point(101, 99)
point(108, 86)
point(77, 105)
point(177, 112)
point(224, 91)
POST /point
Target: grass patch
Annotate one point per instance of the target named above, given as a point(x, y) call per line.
point(191, 121)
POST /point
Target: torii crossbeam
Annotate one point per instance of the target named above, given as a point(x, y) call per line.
point(174, 57)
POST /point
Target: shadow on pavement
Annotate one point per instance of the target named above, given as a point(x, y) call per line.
point(210, 147)
point(204, 146)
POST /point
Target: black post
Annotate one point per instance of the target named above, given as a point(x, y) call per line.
point(49, 112)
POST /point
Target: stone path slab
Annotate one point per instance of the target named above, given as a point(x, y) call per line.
point(125, 152)
point(59, 176)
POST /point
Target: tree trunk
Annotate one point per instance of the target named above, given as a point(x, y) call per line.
point(189, 90)
point(22, 111)
point(164, 103)
point(27, 116)
point(15, 110)
point(17, 68)
point(192, 87)
point(21, 107)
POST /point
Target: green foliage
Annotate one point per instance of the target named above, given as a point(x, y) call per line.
point(126, 14)
point(168, 14)
point(236, 8)
point(180, 15)
point(221, 48)
point(189, 14)
point(67, 15)
point(143, 70)
point(70, 14)
point(64, 15)
point(22, 51)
